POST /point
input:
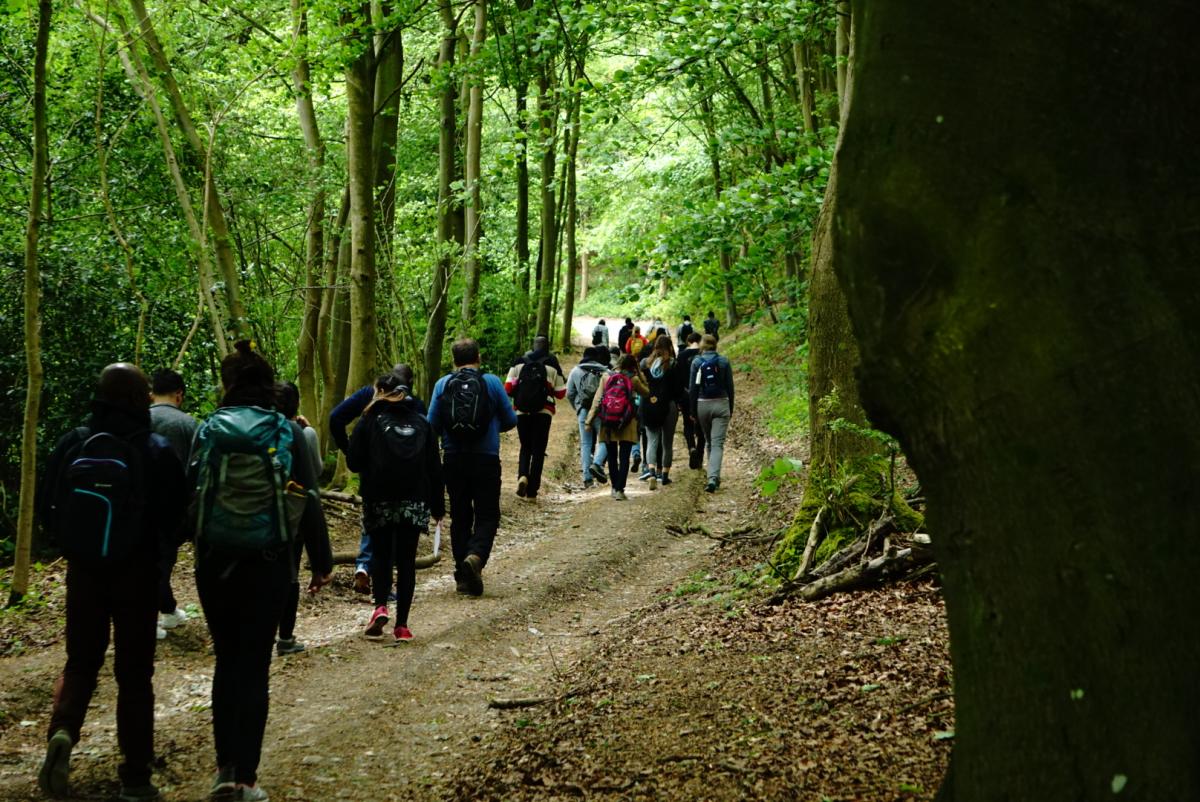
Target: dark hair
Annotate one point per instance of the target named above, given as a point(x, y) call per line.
point(710, 314)
point(248, 379)
point(166, 382)
point(687, 317)
point(403, 372)
point(602, 323)
point(628, 362)
point(287, 399)
point(629, 321)
point(694, 337)
point(541, 343)
point(390, 383)
point(124, 385)
point(464, 352)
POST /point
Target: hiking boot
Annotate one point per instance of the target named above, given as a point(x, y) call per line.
point(473, 574)
point(646, 475)
point(637, 461)
point(588, 484)
point(664, 480)
point(598, 473)
point(378, 619)
point(460, 579)
point(172, 620)
point(620, 496)
point(652, 482)
point(522, 486)
point(694, 457)
point(711, 487)
point(224, 787)
point(403, 634)
point(137, 793)
point(250, 793)
point(288, 646)
point(54, 778)
point(362, 581)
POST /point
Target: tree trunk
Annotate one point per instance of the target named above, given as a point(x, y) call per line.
point(328, 325)
point(547, 125)
point(522, 91)
point(1029, 333)
point(585, 264)
point(360, 107)
point(725, 258)
point(842, 51)
point(435, 332)
point(474, 210)
point(804, 78)
point(33, 314)
point(239, 323)
point(314, 243)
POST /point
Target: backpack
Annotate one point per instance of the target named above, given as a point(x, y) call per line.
point(657, 403)
point(597, 336)
point(685, 331)
point(244, 459)
point(529, 395)
point(399, 437)
point(464, 406)
point(636, 344)
point(711, 324)
point(708, 377)
point(100, 498)
point(589, 383)
point(616, 405)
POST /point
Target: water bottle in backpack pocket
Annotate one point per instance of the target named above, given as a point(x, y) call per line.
point(100, 501)
point(244, 459)
point(708, 377)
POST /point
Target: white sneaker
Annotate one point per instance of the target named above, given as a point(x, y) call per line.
point(162, 634)
point(172, 620)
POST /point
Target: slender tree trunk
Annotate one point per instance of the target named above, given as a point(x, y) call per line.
point(585, 265)
point(724, 257)
point(559, 215)
point(435, 332)
point(523, 299)
point(474, 210)
point(572, 220)
point(842, 52)
point(1029, 332)
point(314, 242)
point(547, 129)
point(221, 239)
point(33, 314)
point(804, 79)
point(331, 393)
point(389, 75)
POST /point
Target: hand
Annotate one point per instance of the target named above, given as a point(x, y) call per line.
point(318, 581)
point(303, 421)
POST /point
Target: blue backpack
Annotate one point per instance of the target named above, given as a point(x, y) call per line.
point(100, 498)
point(708, 376)
point(244, 459)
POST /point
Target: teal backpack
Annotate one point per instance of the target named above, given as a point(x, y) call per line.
point(244, 460)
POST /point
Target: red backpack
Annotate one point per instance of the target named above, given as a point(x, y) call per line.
point(616, 405)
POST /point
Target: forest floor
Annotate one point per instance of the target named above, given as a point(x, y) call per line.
point(650, 662)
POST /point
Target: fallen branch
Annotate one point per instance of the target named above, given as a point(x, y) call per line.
point(532, 701)
point(810, 548)
point(345, 498)
point(897, 562)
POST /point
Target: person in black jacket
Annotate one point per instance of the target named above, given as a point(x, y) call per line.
point(395, 452)
point(111, 589)
point(623, 334)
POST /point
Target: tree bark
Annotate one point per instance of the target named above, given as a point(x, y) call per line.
point(435, 332)
point(522, 92)
point(585, 264)
point(547, 128)
point(724, 257)
point(474, 210)
point(327, 322)
point(1020, 271)
point(389, 76)
point(804, 79)
point(33, 314)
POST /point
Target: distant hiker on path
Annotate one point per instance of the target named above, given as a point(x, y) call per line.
point(469, 409)
point(693, 435)
point(684, 331)
point(613, 407)
point(535, 382)
point(712, 325)
point(249, 457)
point(660, 412)
point(711, 398)
point(394, 451)
point(112, 495)
point(339, 418)
point(582, 386)
point(168, 419)
point(600, 334)
point(624, 334)
point(636, 343)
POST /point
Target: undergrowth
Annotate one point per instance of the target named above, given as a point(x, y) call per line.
point(778, 356)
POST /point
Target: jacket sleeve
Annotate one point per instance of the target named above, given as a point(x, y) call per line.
point(313, 529)
point(514, 373)
point(505, 414)
point(345, 413)
point(359, 450)
point(432, 414)
point(727, 374)
point(573, 388)
point(168, 492)
point(693, 390)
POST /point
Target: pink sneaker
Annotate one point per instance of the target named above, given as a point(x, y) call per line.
point(378, 619)
point(403, 634)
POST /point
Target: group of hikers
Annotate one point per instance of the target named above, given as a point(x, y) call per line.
point(121, 493)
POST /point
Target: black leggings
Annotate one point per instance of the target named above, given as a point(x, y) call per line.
point(395, 544)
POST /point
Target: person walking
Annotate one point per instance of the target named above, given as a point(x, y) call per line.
point(342, 416)
point(693, 436)
point(613, 407)
point(535, 383)
point(600, 334)
point(636, 343)
point(112, 495)
point(712, 325)
point(623, 334)
point(683, 331)
point(582, 385)
point(468, 410)
point(394, 451)
point(660, 412)
point(711, 398)
point(256, 492)
point(168, 419)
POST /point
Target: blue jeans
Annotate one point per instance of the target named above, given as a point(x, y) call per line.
point(588, 437)
point(363, 563)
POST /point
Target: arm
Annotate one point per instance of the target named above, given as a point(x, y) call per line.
point(505, 415)
point(595, 408)
point(727, 377)
point(573, 388)
point(168, 492)
point(433, 469)
point(558, 385)
point(359, 450)
point(313, 529)
point(432, 415)
point(345, 413)
point(510, 381)
point(693, 389)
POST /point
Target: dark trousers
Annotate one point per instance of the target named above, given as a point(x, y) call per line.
point(395, 545)
point(473, 484)
point(243, 603)
point(693, 435)
point(291, 603)
point(618, 463)
point(124, 595)
point(534, 433)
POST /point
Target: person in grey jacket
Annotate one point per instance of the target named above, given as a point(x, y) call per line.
point(710, 394)
point(582, 385)
point(166, 418)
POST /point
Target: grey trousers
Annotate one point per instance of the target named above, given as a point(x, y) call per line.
point(663, 435)
point(713, 414)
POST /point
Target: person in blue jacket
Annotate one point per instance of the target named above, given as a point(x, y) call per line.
point(471, 467)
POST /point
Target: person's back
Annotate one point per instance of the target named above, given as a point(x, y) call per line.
point(600, 334)
point(535, 383)
point(711, 395)
point(582, 385)
point(623, 334)
point(684, 331)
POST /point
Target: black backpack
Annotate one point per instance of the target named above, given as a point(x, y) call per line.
point(597, 337)
point(685, 331)
point(656, 405)
point(589, 384)
point(101, 498)
point(399, 437)
point(465, 406)
point(711, 324)
point(530, 393)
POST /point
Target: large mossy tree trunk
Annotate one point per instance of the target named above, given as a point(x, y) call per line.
point(1020, 266)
